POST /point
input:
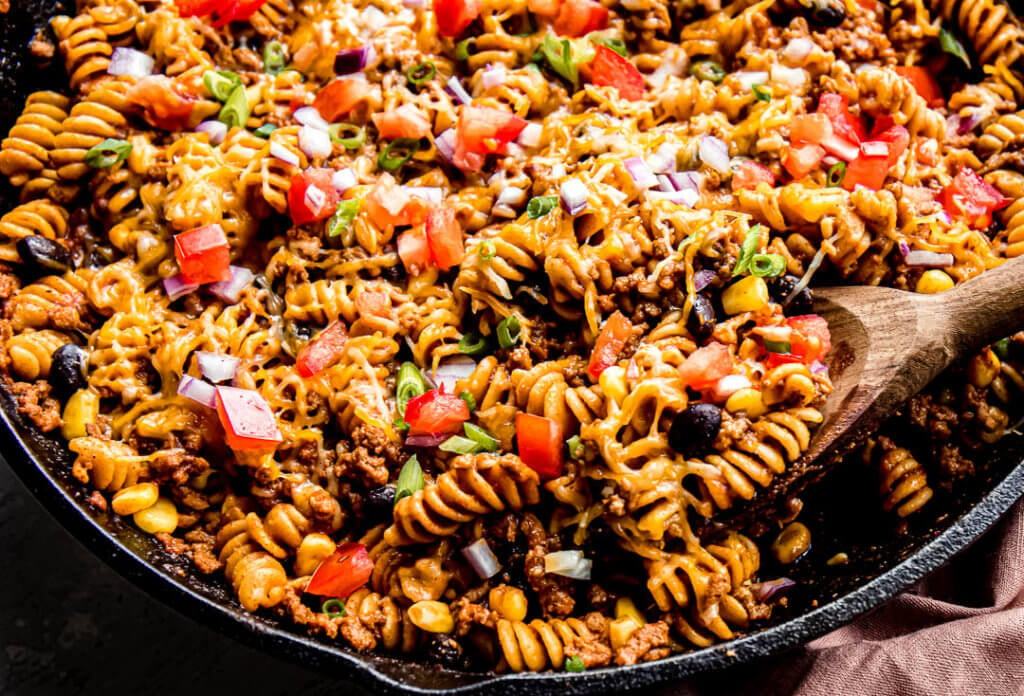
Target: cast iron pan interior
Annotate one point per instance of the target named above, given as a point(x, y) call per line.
point(842, 512)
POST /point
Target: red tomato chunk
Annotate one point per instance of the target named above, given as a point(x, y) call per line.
point(540, 444)
point(249, 423)
point(342, 573)
point(204, 255)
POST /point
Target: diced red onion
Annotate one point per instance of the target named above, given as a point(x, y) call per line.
point(513, 150)
point(641, 174)
point(309, 116)
point(714, 153)
point(817, 367)
point(557, 171)
point(792, 79)
point(934, 259)
point(198, 390)
point(216, 130)
point(415, 4)
point(829, 160)
point(767, 590)
point(749, 78)
point(230, 290)
point(343, 179)
point(952, 125)
point(456, 89)
point(434, 194)
point(374, 18)
point(530, 135)
point(484, 562)
point(445, 144)
point(702, 279)
point(970, 123)
point(314, 142)
point(426, 439)
point(451, 371)
point(570, 564)
point(943, 215)
point(727, 386)
point(176, 287)
point(130, 62)
point(665, 183)
point(284, 154)
point(511, 196)
point(352, 60)
point(664, 160)
point(632, 369)
point(797, 50)
point(217, 367)
point(574, 196)
point(493, 76)
point(315, 198)
point(904, 248)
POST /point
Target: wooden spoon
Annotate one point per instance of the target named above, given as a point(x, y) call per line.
point(889, 344)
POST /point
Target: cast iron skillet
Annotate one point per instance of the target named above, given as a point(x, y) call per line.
point(842, 511)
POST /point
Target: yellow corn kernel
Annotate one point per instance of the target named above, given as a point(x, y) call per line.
point(81, 409)
point(625, 608)
point(792, 542)
point(432, 616)
point(509, 602)
point(132, 499)
point(620, 631)
point(934, 281)
point(747, 295)
point(747, 401)
point(983, 368)
point(161, 516)
point(311, 553)
point(613, 383)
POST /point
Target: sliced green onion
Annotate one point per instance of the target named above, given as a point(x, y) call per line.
point(235, 111)
point(418, 74)
point(509, 331)
point(781, 347)
point(487, 442)
point(410, 479)
point(1002, 348)
point(397, 153)
point(558, 54)
point(469, 399)
point(108, 153)
point(221, 83)
point(708, 70)
point(273, 58)
point(348, 135)
point(343, 216)
point(540, 206)
point(747, 250)
point(265, 130)
point(472, 344)
point(459, 445)
point(951, 45)
point(767, 265)
point(575, 445)
point(617, 45)
point(486, 250)
point(836, 174)
point(409, 384)
point(333, 607)
point(400, 424)
point(761, 92)
point(463, 48)
point(574, 664)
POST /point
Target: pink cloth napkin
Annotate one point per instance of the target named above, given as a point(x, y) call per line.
point(960, 631)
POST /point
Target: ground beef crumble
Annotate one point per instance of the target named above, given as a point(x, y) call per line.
point(552, 591)
point(649, 642)
point(35, 402)
point(200, 548)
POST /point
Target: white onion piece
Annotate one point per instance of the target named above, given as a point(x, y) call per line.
point(557, 171)
point(216, 130)
point(511, 196)
point(456, 89)
point(530, 135)
point(817, 367)
point(714, 153)
point(570, 564)
point(434, 194)
point(284, 154)
point(343, 179)
point(749, 78)
point(574, 196)
point(314, 142)
point(727, 386)
point(484, 562)
point(451, 371)
point(309, 116)
point(230, 290)
point(445, 144)
point(493, 76)
point(934, 259)
point(198, 390)
point(373, 18)
point(797, 50)
point(128, 61)
point(176, 287)
point(641, 174)
point(217, 367)
point(792, 79)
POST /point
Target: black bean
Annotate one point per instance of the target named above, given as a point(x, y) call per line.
point(694, 430)
point(380, 502)
point(42, 256)
point(445, 651)
point(827, 13)
point(67, 371)
point(781, 287)
point(702, 317)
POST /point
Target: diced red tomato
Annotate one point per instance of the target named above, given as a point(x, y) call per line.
point(811, 339)
point(481, 131)
point(897, 138)
point(580, 17)
point(609, 69)
point(340, 97)
point(323, 351)
point(436, 412)
point(971, 199)
point(165, 103)
point(869, 168)
point(234, 11)
point(311, 196)
point(749, 174)
point(196, 8)
point(540, 444)
point(453, 16)
point(844, 124)
point(203, 254)
point(404, 122)
point(388, 204)
point(342, 573)
point(444, 238)
point(413, 250)
point(809, 128)
point(544, 8)
point(249, 423)
point(840, 147)
point(706, 366)
point(924, 84)
point(802, 160)
point(614, 334)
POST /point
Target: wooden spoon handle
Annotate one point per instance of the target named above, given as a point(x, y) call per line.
point(982, 310)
